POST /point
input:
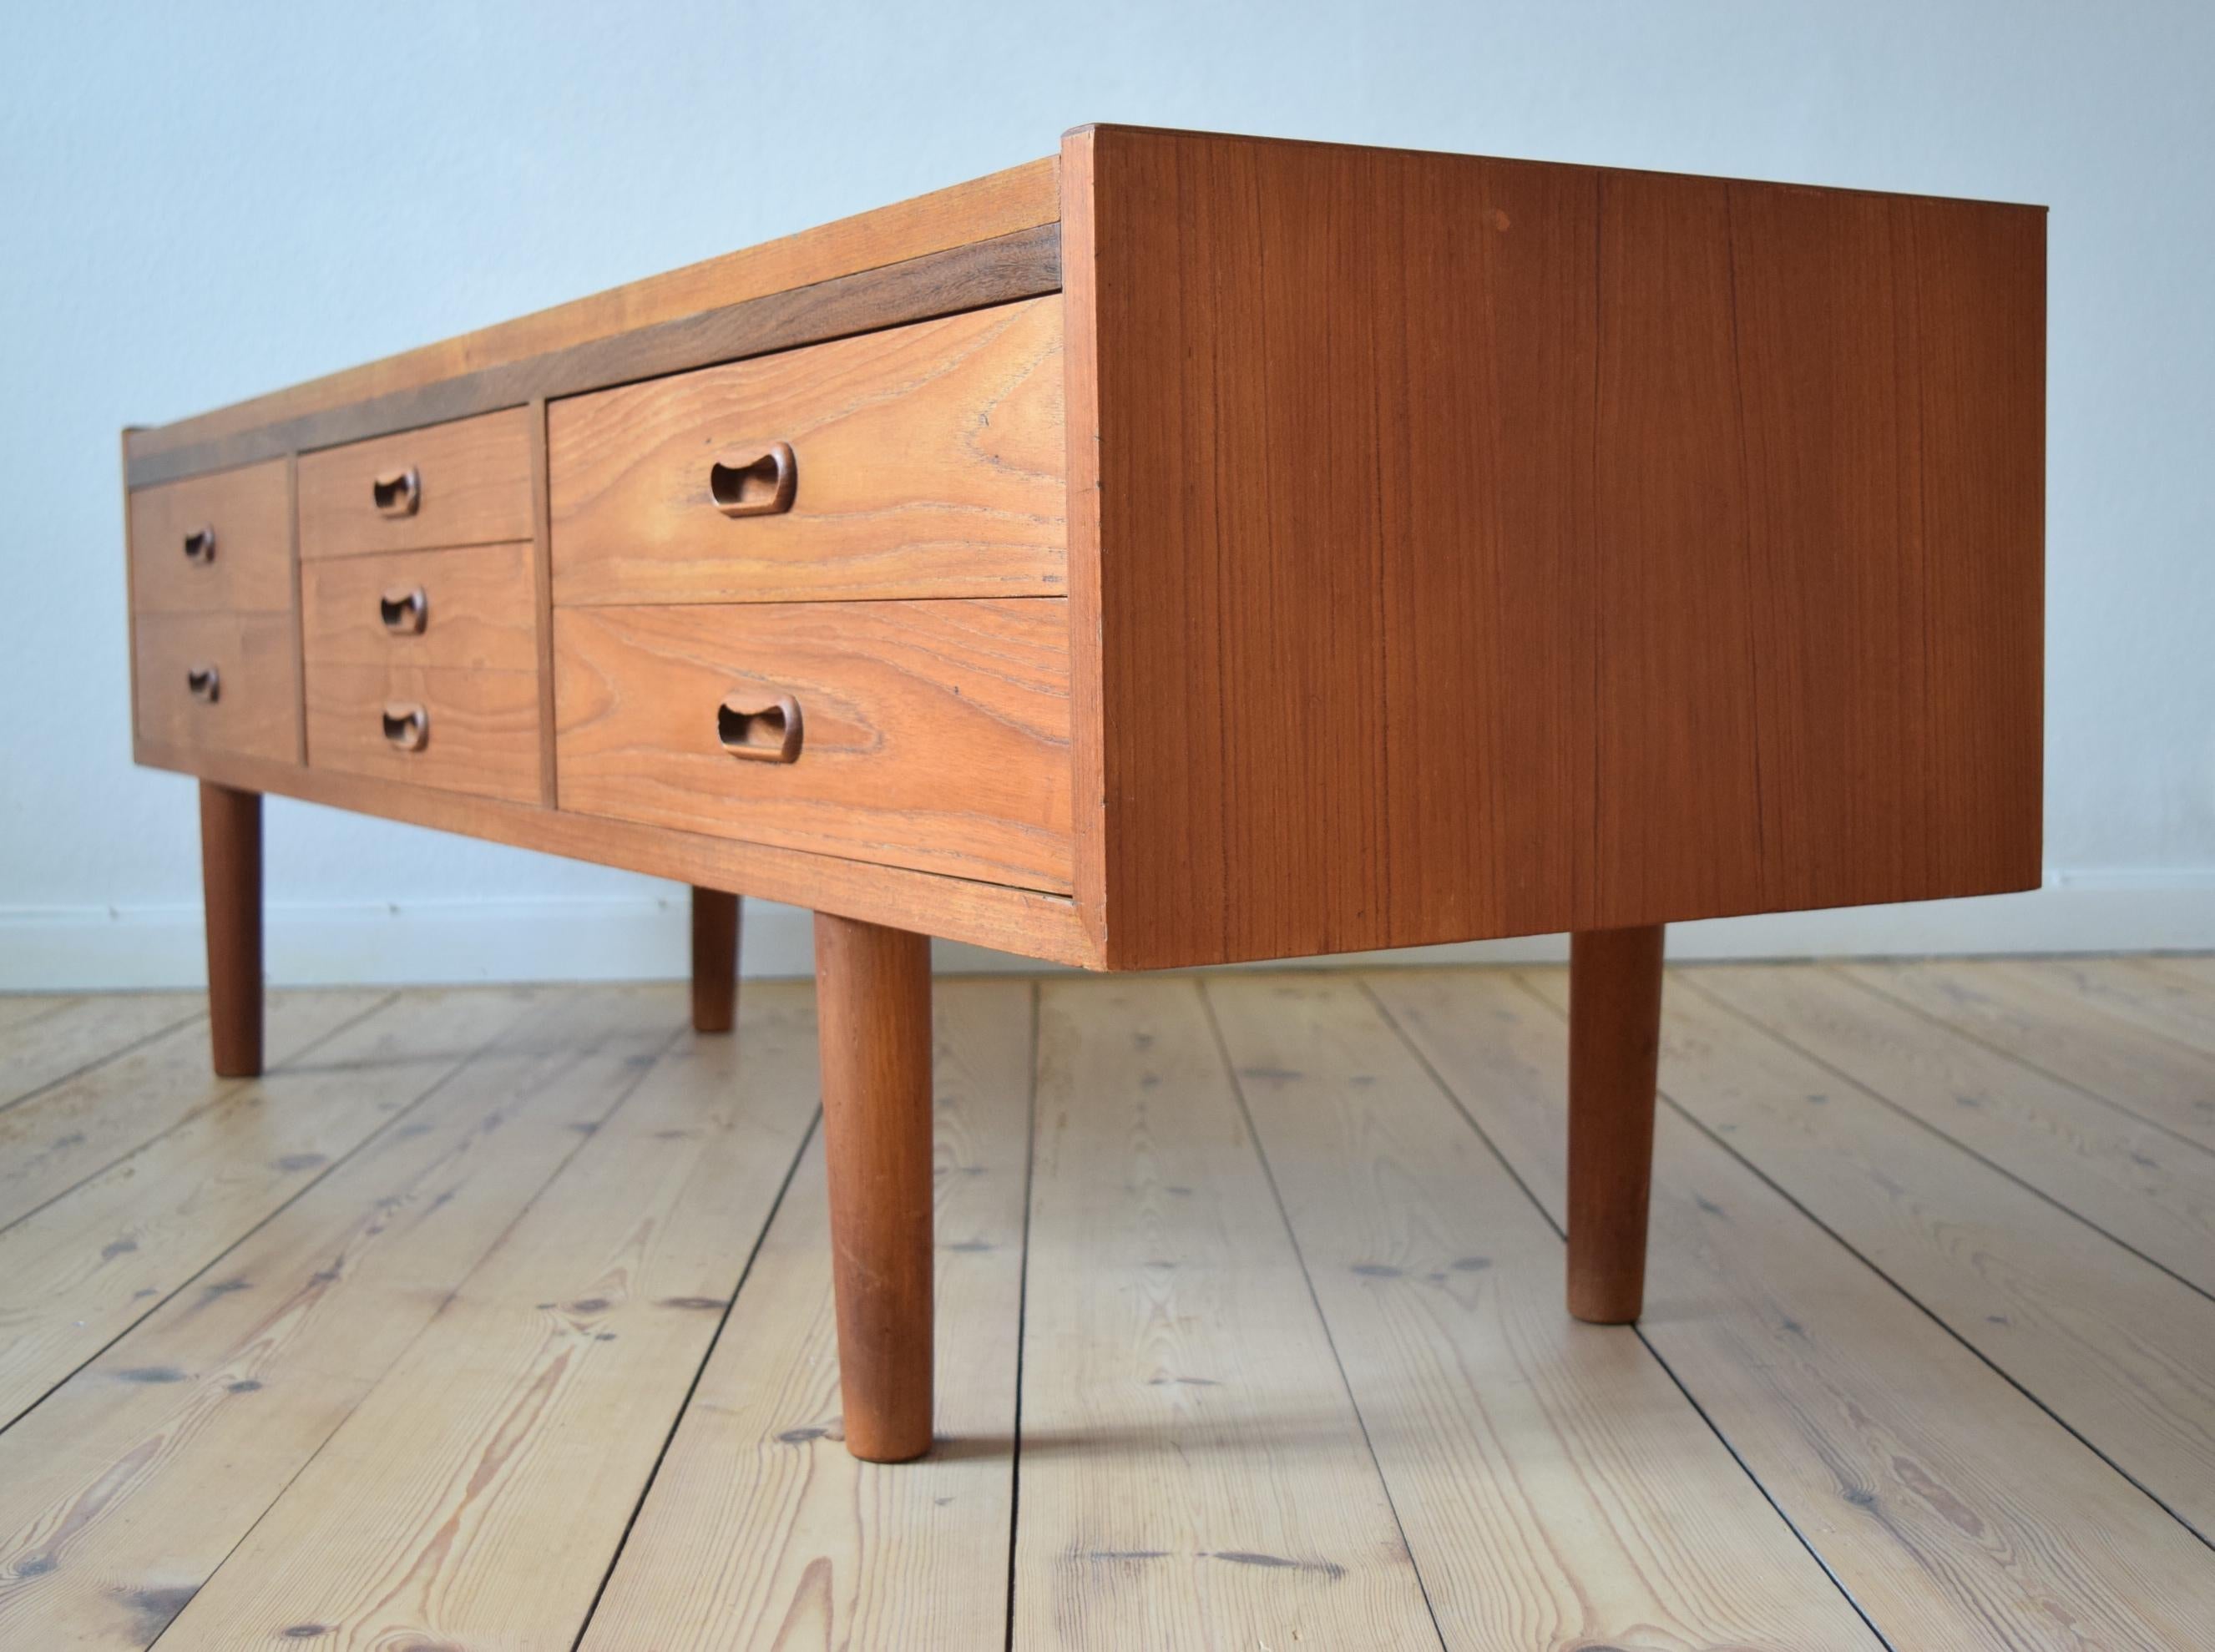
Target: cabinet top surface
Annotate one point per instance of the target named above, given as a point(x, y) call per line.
point(1026, 198)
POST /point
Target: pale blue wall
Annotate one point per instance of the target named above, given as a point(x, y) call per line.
point(207, 201)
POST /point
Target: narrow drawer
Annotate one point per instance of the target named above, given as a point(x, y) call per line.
point(933, 735)
point(213, 544)
point(466, 483)
point(218, 682)
point(457, 729)
point(473, 607)
point(922, 461)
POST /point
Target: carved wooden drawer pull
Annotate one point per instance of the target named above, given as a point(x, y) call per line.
point(199, 547)
point(397, 493)
point(204, 683)
point(407, 727)
point(765, 733)
point(404, 613)
point(754, 480)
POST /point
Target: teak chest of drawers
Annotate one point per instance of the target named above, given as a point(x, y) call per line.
point(1180, 550)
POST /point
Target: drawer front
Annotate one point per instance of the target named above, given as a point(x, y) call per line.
point(218, 682)
point(466, 483)
point(925, 460)
point(933, 735)
point(474, 608)
point(214, 544)
point(460, 729)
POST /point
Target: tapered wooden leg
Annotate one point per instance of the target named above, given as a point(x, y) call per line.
point(714, 959)
point(1615, 1041)
point(873, 1007)
point(231, 888)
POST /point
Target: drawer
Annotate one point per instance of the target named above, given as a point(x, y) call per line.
point(466, 483)
point(451, 727)
point(467, 608)
point(924, 461)
point(218, 682)
point(933, 735)
point(214, 544)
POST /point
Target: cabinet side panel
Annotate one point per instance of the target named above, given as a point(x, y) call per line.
point(1344, 544)
point(1477, 547)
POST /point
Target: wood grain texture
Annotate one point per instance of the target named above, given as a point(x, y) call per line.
point(52, 1039)
point(255, 712)
point(81, 1270)
point(1021, 198)
point(479, 1493)
point(1029, 923)
point(475, 479)
point(2167, 1083)
point(2120, 1352)
point(251, 572)
point(53, 1142)
point(230, 905)
point(928, 459)
point(1023, 264)
point(715, 923)
point(1557, 1490)
point(1166, 1313)
point(1952, 1509)
point(2126, 1176)
point(482, 735)
point(934, 733)
point(479, 609)
point(1615, 1035)
point(121, 1494)
point(873, 1009)
point(1519, 544)
point(761, 1530)
point(2175, 993)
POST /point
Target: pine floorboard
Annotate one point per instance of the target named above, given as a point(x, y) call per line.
point(499, 1319)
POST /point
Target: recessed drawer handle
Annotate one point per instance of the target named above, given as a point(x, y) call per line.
point(199, 547)
point(204, 683)
point(404, 613)
point(766, 733)
point(755, 480)
point(397, 493)
point(408, 727)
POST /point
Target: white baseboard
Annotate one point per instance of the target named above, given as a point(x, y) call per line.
point(103, 948)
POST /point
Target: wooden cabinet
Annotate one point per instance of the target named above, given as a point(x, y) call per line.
point(1450, 548)
point(1183, 549)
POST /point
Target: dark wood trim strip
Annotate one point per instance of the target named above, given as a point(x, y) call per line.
point(1024, 265)
point(1027, 922)
point(541, 594)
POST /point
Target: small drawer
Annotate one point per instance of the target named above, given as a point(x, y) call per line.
point(213, 544)
point(922, 461)
point(459, 729)
point(933, 735)
point(474, 608)
point(218, 682)
point(466, 483)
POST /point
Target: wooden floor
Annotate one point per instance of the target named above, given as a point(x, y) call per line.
point(500, 1319)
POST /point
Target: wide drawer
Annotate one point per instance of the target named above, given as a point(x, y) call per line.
point(933, 735)
point(214, 544)
point(218, 682)
point(457, 728)
point(922, 460)
point(463, 483)
point(474, 608)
